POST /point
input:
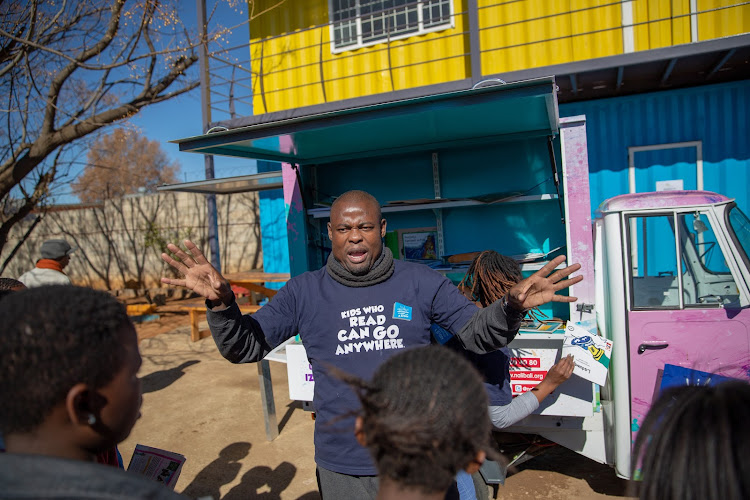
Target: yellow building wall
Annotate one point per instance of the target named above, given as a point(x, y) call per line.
point(531, 34)
point(658, 23)
point(293, 64)
point(718, 19)
point(298, 68)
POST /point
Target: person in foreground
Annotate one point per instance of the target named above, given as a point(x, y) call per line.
point(693, 445)
point(354, 313)
point(420, 427)
point(70, 391)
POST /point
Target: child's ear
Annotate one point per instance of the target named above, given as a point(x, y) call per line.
point(475, 464)
point(78, 404)
point(359, 431)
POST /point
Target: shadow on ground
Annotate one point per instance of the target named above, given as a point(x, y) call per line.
point(221, 471)
point(263, 482)
point(162, 379)
point(600, 477)
point(293, 405)
point(259, 482)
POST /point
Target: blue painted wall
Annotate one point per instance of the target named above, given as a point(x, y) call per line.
point(273, 227)
point(714, 114)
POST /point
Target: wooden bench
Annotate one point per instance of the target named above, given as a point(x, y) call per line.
point(198, 312)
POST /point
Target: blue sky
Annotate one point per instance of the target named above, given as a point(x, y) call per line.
point(181, 117)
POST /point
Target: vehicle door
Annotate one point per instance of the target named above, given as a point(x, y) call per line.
point(687, 302)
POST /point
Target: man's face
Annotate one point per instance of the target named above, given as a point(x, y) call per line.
point(64, 261)
point(356, 235)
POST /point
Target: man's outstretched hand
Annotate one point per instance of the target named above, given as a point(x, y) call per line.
point(200, 276)
point(542, 287)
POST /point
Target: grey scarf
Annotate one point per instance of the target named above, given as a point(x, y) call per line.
point(381, 270)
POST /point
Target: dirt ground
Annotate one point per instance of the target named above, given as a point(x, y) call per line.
point(198, 404)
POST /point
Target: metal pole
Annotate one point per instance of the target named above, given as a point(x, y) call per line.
point(213, 223)
point(475, 49)
point(266, 398)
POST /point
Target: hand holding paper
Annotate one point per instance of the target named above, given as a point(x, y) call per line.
point(590, 352)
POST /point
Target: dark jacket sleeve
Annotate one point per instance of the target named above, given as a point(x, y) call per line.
point(239, 337)
point(490, 328)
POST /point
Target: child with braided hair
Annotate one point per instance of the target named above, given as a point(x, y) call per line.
point(420, 426)
point(487, 280)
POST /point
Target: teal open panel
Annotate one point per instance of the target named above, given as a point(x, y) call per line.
point(345, 131)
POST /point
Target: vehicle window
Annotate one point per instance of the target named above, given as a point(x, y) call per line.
point(706, 277)
point(701, 236)
point(653, 262)
point(741, 227)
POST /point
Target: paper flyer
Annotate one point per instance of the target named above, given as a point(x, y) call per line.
point(299, 371)
point(155, 464)
point(591, 353)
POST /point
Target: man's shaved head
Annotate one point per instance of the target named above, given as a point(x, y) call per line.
point(358, 197)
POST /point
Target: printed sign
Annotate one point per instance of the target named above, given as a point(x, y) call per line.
point(591, 353)
point(670, 185)
point(301, 381)
point(528, 367)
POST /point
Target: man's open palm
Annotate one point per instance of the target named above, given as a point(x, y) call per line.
point(542, 287)
point(200, 276)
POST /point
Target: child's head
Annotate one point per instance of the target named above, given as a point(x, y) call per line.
point(490, 276)
point(10, 285)
point(69, 363)
point(424, 418)
point(693, 444)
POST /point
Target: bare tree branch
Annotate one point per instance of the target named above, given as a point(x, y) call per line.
point(72, 68)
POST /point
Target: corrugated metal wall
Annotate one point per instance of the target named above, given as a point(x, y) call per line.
point(660, 23)
point(520, 35)
point(717, 115)
point(716, 22)
point(294, 65)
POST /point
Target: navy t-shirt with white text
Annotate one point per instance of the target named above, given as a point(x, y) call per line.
point(355, 330)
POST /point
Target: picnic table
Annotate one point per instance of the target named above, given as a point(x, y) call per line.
point(255, 280)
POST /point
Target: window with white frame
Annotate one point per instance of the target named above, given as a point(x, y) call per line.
point(357, 23)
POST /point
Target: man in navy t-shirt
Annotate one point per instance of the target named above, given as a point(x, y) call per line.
point(353, 314)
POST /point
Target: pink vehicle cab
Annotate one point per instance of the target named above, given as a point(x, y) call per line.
point(672, 291)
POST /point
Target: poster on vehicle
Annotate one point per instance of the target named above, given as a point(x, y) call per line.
point(530, 363)
point(528, 367)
